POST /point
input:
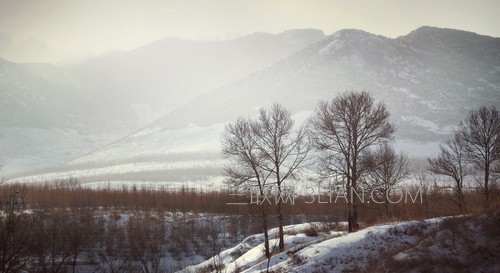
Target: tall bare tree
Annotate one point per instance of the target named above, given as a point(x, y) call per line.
point(344, 129)
point(480, 132)
point(386, 170)
point(282, 150)
point(239, 144)
point(267, 151)
point(451, 162)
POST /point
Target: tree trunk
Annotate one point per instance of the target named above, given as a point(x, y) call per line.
point(280, 209)
point(355, 225)
point(281, 223)
point(349, 218)
point(349, 205)
point(266, 234)
point(461, 200)
point(486, 182)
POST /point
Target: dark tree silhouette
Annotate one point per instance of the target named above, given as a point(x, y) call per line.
point(239, 144)
point(480, 132)
point(386, 170)
point(344, 129)
point(283, 151)
point(267, 151)
point(451, 162)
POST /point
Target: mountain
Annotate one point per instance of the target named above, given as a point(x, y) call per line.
point(429, 79)
point(168, 73)
point(54, 113)
point(46, 116)
point(423, 83)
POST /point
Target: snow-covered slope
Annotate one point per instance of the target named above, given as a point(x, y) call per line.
point(468, 244)
point(330, 252)
point(429, 79)
point(465, 244)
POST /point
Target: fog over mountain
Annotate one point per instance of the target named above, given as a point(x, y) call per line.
point(429, 79)
point(163, 75)
point(51, 114)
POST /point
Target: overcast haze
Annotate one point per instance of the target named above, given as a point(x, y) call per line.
point(57, 30)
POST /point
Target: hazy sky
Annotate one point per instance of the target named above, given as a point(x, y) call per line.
point(55, 30)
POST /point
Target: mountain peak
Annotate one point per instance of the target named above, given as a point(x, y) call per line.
point(347, 39)
point(447, 39)
point(351, 32)
point(429, 32)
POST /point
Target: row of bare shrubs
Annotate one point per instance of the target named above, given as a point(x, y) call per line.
point(63, 227)
point(435, 201)
point(85, 239)
point(75, 240)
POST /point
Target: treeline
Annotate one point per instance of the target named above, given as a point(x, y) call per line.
point(63, 227)
point(472, 151)
point(82, 239)
point(432, 200)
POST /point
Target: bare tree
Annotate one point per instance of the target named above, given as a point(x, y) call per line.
point(480, 132)
point(496, 172)
point(265, 152)
point(282, 150)
point(146, 237)
point(79, 231)
point(112, 248)
point(344, 129)
point(424, 185)
point(53, 251)
point(451, 162)
point(239, 144)
point(16, 246)
point(386, 170)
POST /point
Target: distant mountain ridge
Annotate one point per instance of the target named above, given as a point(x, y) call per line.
point(173, 71)
point(396, 71)
point(53, 113)
point(429, 79)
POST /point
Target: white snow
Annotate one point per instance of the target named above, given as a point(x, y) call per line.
point(330, 252)
point(121, 169)
point(209, 182)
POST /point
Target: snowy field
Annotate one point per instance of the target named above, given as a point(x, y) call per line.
point(334, 251)
point(446, 243)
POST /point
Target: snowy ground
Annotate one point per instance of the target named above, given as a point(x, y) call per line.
point(452, 244)
point(249, 254)
point(326, 252)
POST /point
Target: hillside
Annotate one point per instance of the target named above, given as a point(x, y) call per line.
point(428, 79)
point(46, 117)
point(468, 244)
point(54, 113)
point(168, 73)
